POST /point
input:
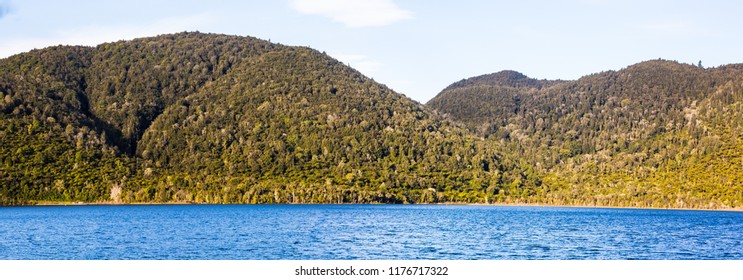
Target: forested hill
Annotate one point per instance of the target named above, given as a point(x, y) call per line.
point(658, 133)
point(506, 78)
point(204, 118)
point(484, 102)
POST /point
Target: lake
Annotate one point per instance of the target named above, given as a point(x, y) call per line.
point(334, 232)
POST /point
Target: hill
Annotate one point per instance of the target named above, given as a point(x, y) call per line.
point(207, 118)
point(485, 102)
point(655, 134)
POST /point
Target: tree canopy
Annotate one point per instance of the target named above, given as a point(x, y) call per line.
point(655, 134)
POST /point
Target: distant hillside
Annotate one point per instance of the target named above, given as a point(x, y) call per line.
point(206, 118)
point(485, 102)
point(658, 133)
point(506, 78)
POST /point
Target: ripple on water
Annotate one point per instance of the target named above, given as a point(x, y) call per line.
point(365, 232)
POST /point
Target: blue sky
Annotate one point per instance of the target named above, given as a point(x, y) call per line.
point(416, 47)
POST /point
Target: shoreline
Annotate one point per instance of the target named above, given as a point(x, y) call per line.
point(605, 206)
point(53, 203)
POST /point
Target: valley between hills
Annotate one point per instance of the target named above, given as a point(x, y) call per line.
point(208, 118)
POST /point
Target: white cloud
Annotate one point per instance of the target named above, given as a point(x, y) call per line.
point(361, 62)
point(96, 34)
point(354, 13)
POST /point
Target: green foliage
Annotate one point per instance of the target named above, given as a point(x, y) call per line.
point(40, 164)
point(656, 134)
point(219, 119)
point(203, 118)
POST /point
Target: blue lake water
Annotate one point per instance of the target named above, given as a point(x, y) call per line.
point(365, 232)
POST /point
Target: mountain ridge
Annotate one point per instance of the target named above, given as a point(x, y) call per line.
point(628, 132)
point(209, 118)
point(508, 78)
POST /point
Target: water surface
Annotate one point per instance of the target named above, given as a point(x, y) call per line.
point(365, 232)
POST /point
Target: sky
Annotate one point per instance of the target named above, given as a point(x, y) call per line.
point(415, 47)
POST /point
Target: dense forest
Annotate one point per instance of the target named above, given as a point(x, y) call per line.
point(206, 118)
point(203, 118)
point(655, 134)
